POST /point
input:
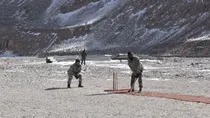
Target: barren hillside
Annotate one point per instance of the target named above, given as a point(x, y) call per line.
point(159, 27)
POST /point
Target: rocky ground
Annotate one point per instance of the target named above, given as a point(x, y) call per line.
point(31, 88)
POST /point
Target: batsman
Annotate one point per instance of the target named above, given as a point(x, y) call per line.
point(137, 69)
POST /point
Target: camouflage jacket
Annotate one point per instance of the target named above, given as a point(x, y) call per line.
point(135, 65)
point(74, 69)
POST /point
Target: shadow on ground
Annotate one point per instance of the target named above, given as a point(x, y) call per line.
point(98, 94)
point(56, 88)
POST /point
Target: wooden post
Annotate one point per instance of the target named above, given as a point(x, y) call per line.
point(115, 81)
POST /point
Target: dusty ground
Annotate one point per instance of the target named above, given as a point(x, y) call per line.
point(31, 88)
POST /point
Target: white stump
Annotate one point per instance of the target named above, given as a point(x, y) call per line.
point(115, 81)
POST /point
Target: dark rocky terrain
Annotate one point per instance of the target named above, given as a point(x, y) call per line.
point(155, 27)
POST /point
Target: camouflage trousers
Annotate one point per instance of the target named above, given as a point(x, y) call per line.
point(77, 76)
point(83, 61)
point(134, 77)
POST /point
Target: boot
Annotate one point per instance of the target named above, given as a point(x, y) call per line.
point(68, 86)
point(139, 90)
point(80, 85)
point(131, 90)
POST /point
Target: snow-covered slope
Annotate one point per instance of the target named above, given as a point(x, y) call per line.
point(86, 15)
point(170, 27)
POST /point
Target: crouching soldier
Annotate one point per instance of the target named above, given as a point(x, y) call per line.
point(137, 69)
point(74, 70)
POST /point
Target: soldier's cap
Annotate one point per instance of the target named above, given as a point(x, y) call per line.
point(129, 53)
point(77, 60)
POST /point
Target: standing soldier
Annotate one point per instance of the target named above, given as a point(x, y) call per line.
point(83, 55)
point(74, 70)
point(137, 69)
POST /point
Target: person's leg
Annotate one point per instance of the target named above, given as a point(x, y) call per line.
point(140, 83)
point(82, 61)
point(133, 80)
point(69, 81)
point(79, 76)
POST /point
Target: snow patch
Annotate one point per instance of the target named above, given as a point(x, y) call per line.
point(86, 15)
point(156, 79)
point(138, 14)
point(202, 38)
point(154, 61)
point(193, 81)
point(64, 63)
point(21, 2)
point(53, 9)
point(8, 54)
point(107, 55)
point(72, 44)
point(32, 33)
point(19, 15)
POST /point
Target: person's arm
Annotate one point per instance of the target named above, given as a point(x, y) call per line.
point(141, 66)
point(138, 64)
point(85, 54)
point(80, 68)
point(73, 69)
point(77, 70)
point(70, 69)
point(129, 63)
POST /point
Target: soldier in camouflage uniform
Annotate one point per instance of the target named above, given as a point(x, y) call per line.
point(74, 70)
point(137, 69)
point(83, 56)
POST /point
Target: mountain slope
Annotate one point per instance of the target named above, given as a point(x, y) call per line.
point(169, 27)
